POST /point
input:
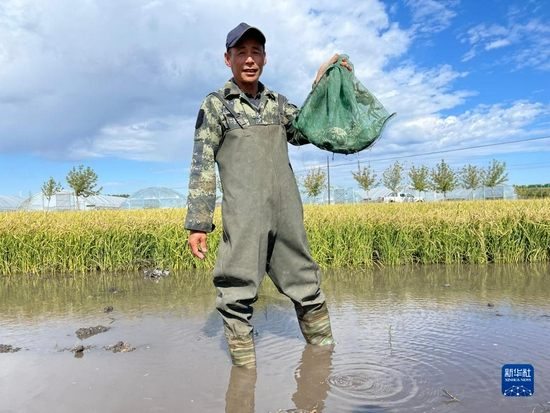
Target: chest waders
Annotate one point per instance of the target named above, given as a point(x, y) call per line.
point(263, 232)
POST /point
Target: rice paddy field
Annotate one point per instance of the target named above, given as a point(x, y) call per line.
point(347, 236)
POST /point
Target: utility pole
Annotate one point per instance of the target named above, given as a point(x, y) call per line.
point(328, 178)
point(406, 174)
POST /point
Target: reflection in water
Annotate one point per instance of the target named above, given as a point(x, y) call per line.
point(23, 296)
point(27, 297)
point(311, 377)
point(240, 392)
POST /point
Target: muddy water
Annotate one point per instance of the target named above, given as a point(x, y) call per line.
point(404, 336)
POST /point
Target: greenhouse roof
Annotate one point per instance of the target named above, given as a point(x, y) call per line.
point(10, 203)
point(154, 197)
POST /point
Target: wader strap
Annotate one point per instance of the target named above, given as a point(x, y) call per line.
point(238, 118)
point(281, 108)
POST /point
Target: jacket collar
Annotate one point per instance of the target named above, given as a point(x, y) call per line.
point(231, 90)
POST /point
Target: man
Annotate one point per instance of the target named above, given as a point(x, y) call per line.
point(244, 127)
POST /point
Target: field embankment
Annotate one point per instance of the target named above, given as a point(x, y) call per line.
point(355, 235)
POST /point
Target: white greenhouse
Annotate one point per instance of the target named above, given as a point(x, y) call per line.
point(154, 197)
point(66, 201)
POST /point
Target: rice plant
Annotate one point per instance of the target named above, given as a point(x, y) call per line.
point(351, 235)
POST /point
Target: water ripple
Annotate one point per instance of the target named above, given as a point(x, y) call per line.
point(368, 383)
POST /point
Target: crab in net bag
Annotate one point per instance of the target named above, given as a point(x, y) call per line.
point(340, 115)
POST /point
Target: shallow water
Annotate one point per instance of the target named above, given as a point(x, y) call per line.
point(404, 336)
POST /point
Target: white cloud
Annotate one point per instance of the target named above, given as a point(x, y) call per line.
point(470, 55)
point(153, 140)
point(497, 44)
point(481, 32)
point(482, 124)
point(416, 92)
point(432, 16)
point(528, 42)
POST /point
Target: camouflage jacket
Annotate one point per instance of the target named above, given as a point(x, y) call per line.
point(213, 121)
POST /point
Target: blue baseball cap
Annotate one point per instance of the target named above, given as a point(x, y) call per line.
point(235, 35)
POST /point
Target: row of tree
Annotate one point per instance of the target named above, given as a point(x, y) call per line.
point(82, 181)
point(441, 179)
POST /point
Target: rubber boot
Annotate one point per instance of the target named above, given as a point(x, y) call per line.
point(314, 322)
point(241, 350)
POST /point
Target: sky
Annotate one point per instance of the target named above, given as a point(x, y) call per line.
point(116, 85)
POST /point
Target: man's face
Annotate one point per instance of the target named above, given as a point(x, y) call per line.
point(246, 60)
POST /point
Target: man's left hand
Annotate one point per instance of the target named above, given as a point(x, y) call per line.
point(332, 60)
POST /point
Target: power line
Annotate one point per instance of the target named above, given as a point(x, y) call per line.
point(435, 153)
point(442, 151)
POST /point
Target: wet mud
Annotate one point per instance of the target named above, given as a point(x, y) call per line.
point(8, 348)
point(87, 332)
point(84, 333)
point(120, 347)
point(79, 350)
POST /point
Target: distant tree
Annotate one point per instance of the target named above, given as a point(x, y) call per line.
point(393, 176)
point(50, 188)
point(444, 179)
point(471, 177)
point(83, 182)
point(494, 175)
point(120, 195)
point(366, 178)
point(314, 183)
point(420, 178)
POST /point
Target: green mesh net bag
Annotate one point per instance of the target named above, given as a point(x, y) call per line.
point(340, 115)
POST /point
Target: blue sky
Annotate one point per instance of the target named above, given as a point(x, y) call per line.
point(117, 85)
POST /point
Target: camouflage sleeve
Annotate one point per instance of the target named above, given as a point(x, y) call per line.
point(293, 135)
point(202, 177)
